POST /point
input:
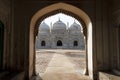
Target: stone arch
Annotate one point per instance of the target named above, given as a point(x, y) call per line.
point(43, 43)
point(75, 43)
point(59, 43)
point(1, 43)
point(67, 9)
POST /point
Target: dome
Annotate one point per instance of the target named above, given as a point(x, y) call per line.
point(44, 27)
point(59, 25)
point(75, 26)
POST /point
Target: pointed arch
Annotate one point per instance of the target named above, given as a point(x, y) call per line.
point(43, 43)
point(59, 43)
point(68, 9)
point(75, 43)
point(1, 43)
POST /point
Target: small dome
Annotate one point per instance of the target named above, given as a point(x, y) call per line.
point(59, 25)
point(75, 26)
point(44, 27)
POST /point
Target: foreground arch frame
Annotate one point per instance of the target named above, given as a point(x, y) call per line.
point(68, 8)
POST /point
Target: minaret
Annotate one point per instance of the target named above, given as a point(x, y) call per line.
point(67, 25)
point(59, 19)
point(74, 21)
point(51, 25)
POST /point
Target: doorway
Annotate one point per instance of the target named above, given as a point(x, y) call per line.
point(1, 43)
point(43, 43)
point(75, 43)
point(59, 43)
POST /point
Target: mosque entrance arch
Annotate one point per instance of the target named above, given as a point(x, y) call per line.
point(59, 43)
point(69, 10)
point(43, 43)
point(1, 43)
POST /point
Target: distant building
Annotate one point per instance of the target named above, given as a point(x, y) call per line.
point(60, 35)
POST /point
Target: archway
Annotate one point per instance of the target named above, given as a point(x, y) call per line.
point(75, 43)
point(1, 43)
point(59, 43)
point(67, 9)
point(43, 43)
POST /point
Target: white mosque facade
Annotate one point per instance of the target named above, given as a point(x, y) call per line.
point(60, 35)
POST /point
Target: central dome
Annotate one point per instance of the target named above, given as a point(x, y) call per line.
point(59, 25)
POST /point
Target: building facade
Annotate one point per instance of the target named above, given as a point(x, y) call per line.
point(60, 35)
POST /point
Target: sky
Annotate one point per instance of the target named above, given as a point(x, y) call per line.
point(64, 18)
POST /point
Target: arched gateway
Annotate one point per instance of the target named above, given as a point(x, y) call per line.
point(69, 10)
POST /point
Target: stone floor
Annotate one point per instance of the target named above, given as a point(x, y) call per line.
point(60, 65)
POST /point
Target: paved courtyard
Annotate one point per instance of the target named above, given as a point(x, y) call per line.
point(61, 64)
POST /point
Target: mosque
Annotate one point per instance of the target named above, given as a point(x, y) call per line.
point(60, 35)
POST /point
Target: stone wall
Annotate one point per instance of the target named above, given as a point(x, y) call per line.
point(6, 19)
point(115, 34)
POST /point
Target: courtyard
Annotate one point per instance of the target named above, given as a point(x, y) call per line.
point(61, 64)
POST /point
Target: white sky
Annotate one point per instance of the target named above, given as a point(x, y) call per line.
point(64, 18)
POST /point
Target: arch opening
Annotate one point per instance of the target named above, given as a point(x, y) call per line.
point(1, 43)
point(57, 30)
point(50, 10)
point(59, 43)
point(75, 43)
point(43, 43)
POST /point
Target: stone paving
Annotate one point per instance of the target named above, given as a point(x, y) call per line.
point(42, 60)
point(60, 64)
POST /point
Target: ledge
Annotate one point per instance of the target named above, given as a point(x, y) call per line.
point(108, 76)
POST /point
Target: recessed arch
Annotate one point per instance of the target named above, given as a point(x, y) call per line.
point(43, 43)
point(1, 43)
point(59, 43)
point(75, 43)
point(68, 9)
